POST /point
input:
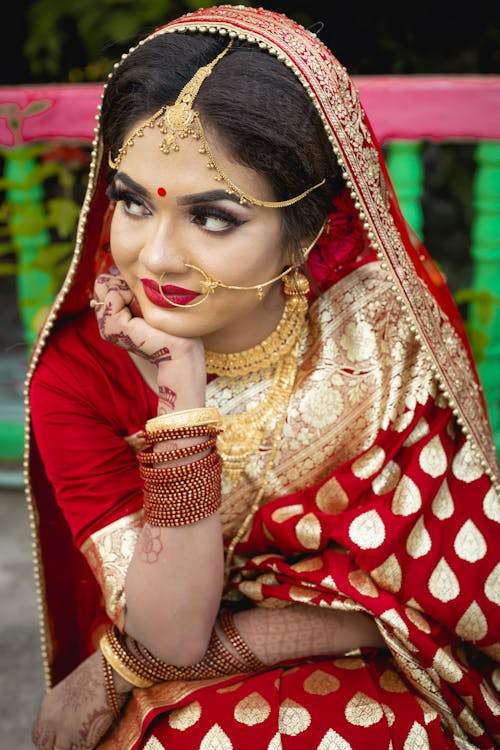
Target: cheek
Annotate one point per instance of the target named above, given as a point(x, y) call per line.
point(123, 245)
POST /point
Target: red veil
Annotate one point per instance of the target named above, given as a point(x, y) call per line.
point(404, 529)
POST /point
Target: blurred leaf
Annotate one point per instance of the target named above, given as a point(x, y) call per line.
point(53, 254)
point(34, 108)
point(62, 214)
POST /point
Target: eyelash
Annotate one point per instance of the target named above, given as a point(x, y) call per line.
point(118, 194)
point(205, 212)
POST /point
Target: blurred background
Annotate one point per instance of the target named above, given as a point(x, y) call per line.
point(42, 186)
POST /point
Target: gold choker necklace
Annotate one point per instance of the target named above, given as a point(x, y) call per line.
point(244, 432)
point(276, 346)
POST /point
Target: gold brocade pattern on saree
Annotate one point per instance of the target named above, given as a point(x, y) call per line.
point(389, 575)
point(293, 718)
point(472, 626)
point(108, 553)
point(367, 530)
point(154, 744)
point(216, 739)
point(321, 683)
point(443, 583)
point(433, 459)
point(363, 711)
point(343, 395)
point(417, 739)
point(491, 505)
point(185, 717)
point(251, 710)
point(492, 585)
point(392, 682)
point(469, 543)
point(334, 741)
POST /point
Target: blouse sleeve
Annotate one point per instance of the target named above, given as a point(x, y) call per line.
point(83, 409)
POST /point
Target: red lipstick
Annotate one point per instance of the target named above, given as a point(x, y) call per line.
point(178, 294)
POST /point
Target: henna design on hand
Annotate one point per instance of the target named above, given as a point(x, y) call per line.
point(119, 285)
point(162, 355)
point(167, 399)
point(151, 544)
point(94, 728)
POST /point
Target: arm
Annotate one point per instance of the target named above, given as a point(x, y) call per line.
point(174, 580)
point(301, 631)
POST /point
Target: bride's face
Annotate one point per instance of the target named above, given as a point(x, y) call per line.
point(171, 212)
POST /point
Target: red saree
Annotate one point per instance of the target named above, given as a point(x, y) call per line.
point(383, 497)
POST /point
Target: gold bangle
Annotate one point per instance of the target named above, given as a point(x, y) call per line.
point(207, 415)
point(116, 663)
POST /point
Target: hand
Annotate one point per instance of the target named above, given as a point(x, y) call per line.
point(119, 326)
point(75, 715)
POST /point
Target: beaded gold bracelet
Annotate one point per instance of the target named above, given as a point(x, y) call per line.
point(189, 491)
point(109, 686)
point(179, 515)
point(207, 415)
point(158, 436)
point(240, 646)
point(181, 471)
point(149, 457)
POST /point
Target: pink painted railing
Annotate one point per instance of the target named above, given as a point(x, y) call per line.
point(403, 111)
point(399, 107)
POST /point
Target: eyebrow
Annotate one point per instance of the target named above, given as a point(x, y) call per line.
point(132, 184)
point(207, 196)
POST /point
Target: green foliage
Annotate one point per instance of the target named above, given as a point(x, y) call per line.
point(98, 32)
point(485, 305)
point(41, 207)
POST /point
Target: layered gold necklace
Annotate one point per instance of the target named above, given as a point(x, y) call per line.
point(273, 359)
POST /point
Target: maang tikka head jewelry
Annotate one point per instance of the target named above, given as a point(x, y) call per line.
point(180, 121)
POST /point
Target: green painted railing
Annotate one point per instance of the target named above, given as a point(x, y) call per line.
point(460, 108)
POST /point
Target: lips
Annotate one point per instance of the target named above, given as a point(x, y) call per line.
point(177, 294)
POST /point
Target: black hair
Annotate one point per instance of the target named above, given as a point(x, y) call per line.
point(255, 104)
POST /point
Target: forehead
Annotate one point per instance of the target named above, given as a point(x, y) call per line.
point(187, 170)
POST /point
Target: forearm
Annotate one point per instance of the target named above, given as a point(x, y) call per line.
point(173, 589)
point(174, 582)
point(300, 631)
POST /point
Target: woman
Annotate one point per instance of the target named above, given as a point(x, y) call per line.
point(263, 479)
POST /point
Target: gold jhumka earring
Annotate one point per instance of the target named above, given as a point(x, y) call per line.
point(180, 121)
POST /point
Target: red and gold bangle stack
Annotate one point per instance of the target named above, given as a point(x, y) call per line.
point(180, 494)
point(141, 668)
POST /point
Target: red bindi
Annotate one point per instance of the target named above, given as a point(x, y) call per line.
point(161, 192)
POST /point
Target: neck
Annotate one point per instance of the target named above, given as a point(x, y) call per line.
point(250, 329)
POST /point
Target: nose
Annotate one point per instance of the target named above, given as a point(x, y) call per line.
point(162, 250)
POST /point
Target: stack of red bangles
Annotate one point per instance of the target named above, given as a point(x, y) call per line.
point(176, 494)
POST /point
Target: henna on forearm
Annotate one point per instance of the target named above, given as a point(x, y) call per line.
point(300, 631)
point(151, 544)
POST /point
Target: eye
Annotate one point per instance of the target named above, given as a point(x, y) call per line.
point(133, 204)
point(214, 219)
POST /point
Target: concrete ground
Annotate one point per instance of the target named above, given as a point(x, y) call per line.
point(21, 675)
